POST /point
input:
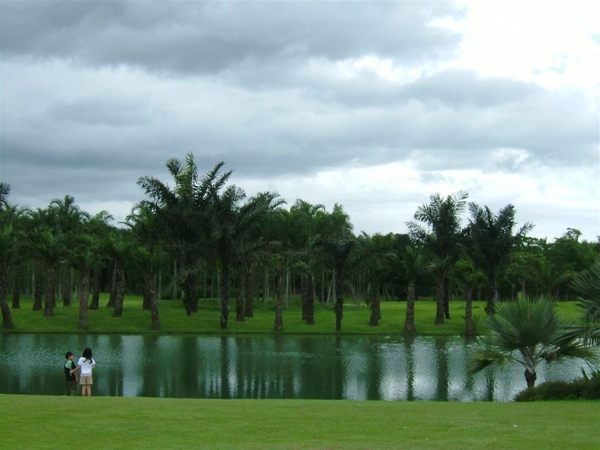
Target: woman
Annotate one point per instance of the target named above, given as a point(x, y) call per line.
point(86, 364)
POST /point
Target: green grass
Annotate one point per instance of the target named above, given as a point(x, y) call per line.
point(38, 422)
point(173, 319)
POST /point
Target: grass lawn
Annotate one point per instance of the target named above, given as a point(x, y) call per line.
point(38, 422)
point(173, 319)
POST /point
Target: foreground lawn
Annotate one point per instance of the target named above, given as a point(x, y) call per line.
point(135, 320)
point(37, 422)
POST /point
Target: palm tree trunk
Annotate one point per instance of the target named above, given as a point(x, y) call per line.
point(146, 296)
point(239, 295)
point(84, 292)
point(530, 377)
point(469, 325)
point(446, 299)
point(409, 321)
point(493, 296)
point(7, 321)
point(439, 300)
point(50, 297)
point(310, 301)
point(17, 281)
point(278, 326)
point(249, 297)
point(375, 311)
point(67, 285)
point(38, 285)
point(155, 321)
point(174, 288)
point(304, 294)
point(339, 300)
point(225, 295)
point(95, 288)
point(266, 292)
point(119, 294)
point(113, 287)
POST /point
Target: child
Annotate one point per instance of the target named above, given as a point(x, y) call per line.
point(86, 363)
point(70, 376)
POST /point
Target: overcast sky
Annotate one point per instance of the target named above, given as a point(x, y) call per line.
point(372, 105)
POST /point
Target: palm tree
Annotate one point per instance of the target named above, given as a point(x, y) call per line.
point(414, 265)
point(439, 231)
point(587, 285)
point(69, 219)
point(527, 332)
point(185, 215)
point(335, 252)
point(144, 225)
point(232, 223)
point(374, 253)
point(467, 278)
point(490, 243)
point(7, 254)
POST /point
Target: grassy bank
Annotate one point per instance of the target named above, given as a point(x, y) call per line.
point(173, 320)
point(125, 423)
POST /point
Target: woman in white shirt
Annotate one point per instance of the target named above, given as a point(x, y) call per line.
point(86, 364)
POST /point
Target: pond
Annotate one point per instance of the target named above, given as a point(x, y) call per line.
point(275, 367)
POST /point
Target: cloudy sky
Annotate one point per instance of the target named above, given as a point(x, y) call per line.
point(373, 105)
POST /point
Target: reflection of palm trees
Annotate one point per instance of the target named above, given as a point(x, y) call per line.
point(338, 372)
point(409, 342)
point(374, 369)
point(225, 391)
point(441, 353)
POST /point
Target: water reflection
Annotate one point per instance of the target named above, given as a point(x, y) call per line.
point(308, 367)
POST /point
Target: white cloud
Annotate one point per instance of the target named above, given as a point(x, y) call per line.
point(374, 106)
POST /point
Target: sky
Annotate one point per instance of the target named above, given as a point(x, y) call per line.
point(372, 105)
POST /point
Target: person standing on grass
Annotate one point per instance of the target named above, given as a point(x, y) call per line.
point(86, 364)
point(70, 376)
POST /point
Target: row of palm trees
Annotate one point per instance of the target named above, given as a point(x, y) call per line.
point(203, 233)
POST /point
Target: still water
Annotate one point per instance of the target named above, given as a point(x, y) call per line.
point(276, 367)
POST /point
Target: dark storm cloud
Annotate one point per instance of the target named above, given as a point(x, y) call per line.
point(113, 112)
point(198, 37)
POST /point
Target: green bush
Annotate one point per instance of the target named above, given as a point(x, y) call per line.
point(585, 388)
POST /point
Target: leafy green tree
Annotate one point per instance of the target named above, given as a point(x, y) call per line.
point(438, 228)
point(521, 270)
point(490, 243)
point(527, 332)
point(567, 257)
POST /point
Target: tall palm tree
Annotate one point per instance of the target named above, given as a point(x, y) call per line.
point(490, 243)
point(144, 225)
point(374, 253)
point(414, 264)
point(7, 254)
point(527, 332)
point(438, 228)
point(66, 217)
point(336, 252)
point(468, 278)
point(185, 215)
